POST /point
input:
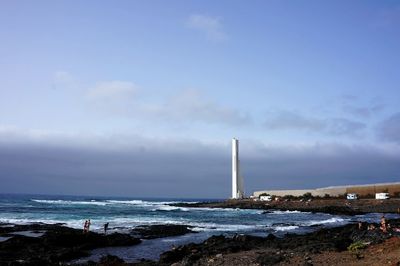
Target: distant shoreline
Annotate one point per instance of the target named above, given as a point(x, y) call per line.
point(331, 206)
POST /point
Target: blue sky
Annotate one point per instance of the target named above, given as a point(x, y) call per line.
point(155, 81)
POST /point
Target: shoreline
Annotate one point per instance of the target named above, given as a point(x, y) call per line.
point(293, 249)
point(49, 244)
point(330, 206)
point(60, 244)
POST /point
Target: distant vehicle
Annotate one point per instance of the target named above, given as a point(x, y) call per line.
point(381, 195)
point(265, 198)
point(352, 196)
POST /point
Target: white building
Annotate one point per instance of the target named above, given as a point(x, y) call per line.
point(381, 195)
point(237, 179)
point(265, 198)
point(351, 196)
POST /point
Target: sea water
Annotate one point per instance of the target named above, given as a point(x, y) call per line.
point(123, 214)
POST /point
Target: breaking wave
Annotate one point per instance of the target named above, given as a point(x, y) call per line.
point(170, 208)
point(285, 228)
point(70, 202)
point(125, 214)
point(284, 212)
point(108, 202)
point(332, 220)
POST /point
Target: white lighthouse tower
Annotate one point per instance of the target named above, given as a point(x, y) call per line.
point(237, 179)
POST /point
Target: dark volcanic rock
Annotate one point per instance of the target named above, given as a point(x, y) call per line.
point(332, 206)
point(327, 239)
point(161, 230)
point(336, 210)
point(212, 246)
point(58, 244)
point(268, 211)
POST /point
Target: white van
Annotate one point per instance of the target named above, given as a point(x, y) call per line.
point(381, 195)
point(265, 198)
point(352, 196)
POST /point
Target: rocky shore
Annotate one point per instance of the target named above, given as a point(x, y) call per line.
point(45, 244)
point(52, 244)
point(331, 206)
point(56, 245)
point(270, 250)
point(161, 230)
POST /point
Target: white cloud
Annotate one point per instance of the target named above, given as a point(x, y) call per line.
point(210, 26)
point(192, 105)
point(112, 90)
point(188, 106)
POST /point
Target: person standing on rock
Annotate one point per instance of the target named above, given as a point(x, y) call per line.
point(85, 226)
point(105, 228)
point(88, 226)
point(383, 224)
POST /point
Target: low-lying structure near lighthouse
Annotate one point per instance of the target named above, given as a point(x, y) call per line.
point(393, 189)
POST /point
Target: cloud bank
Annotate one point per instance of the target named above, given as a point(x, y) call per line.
point(139, 167)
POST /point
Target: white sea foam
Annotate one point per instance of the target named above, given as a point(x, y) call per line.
point(284, 212)
point(31, 221)
point(327, 221)
point(285, 228)
point(146, 203)
point(109, 202)
point(131, 202)
point(225, 210)
point(70, 202)
point(170, 208)
point(165, 240)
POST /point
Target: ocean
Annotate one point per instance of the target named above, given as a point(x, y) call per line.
point(123, 214)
